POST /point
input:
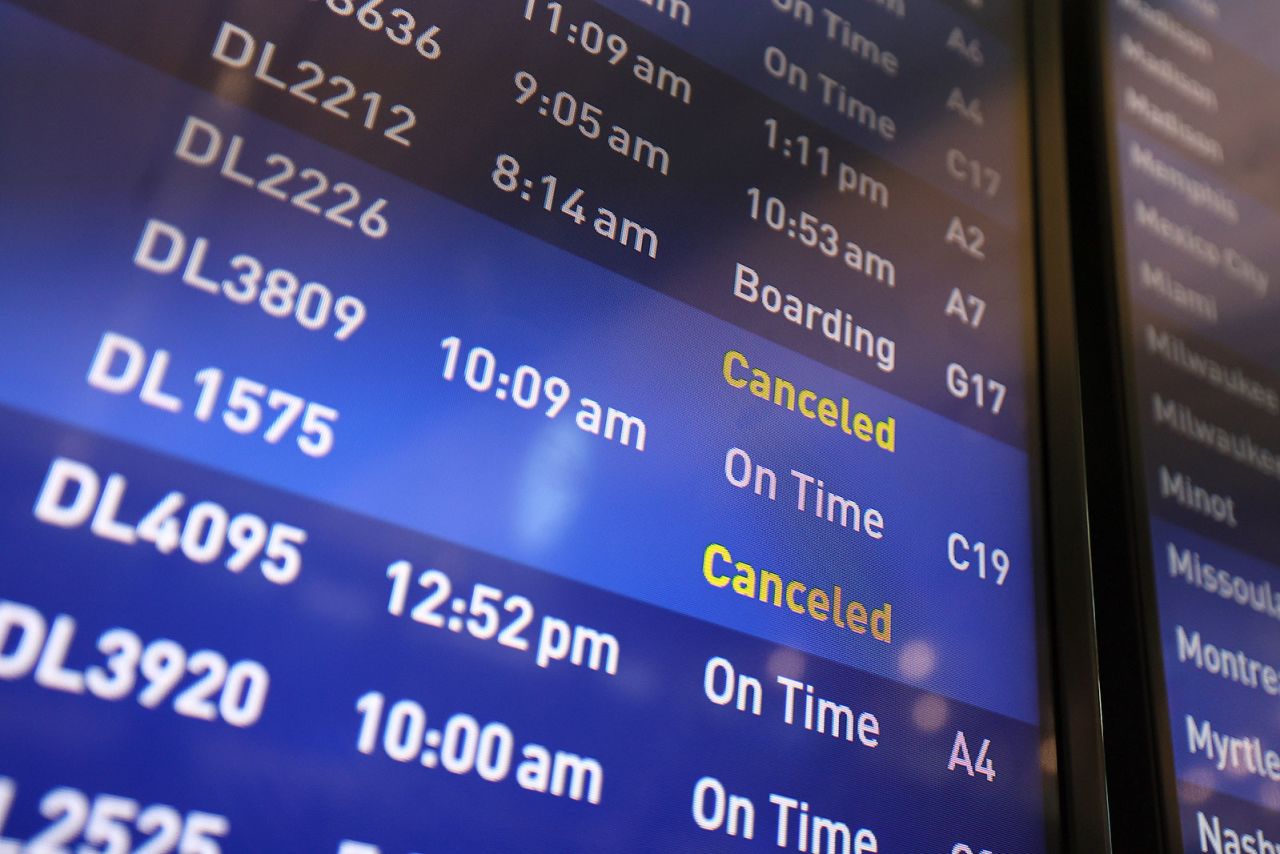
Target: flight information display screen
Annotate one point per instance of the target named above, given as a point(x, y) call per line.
point(1195, 132)
point(525, 425)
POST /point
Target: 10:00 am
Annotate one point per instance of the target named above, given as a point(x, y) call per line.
point(463, 746)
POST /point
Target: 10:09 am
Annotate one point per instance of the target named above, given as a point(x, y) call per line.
point(527, 388)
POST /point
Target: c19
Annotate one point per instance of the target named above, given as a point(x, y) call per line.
point(964, 555)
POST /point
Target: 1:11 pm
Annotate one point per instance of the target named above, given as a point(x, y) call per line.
point(804, 149)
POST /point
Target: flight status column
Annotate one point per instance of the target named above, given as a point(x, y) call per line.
point(1195, 142)
point(571, 426)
